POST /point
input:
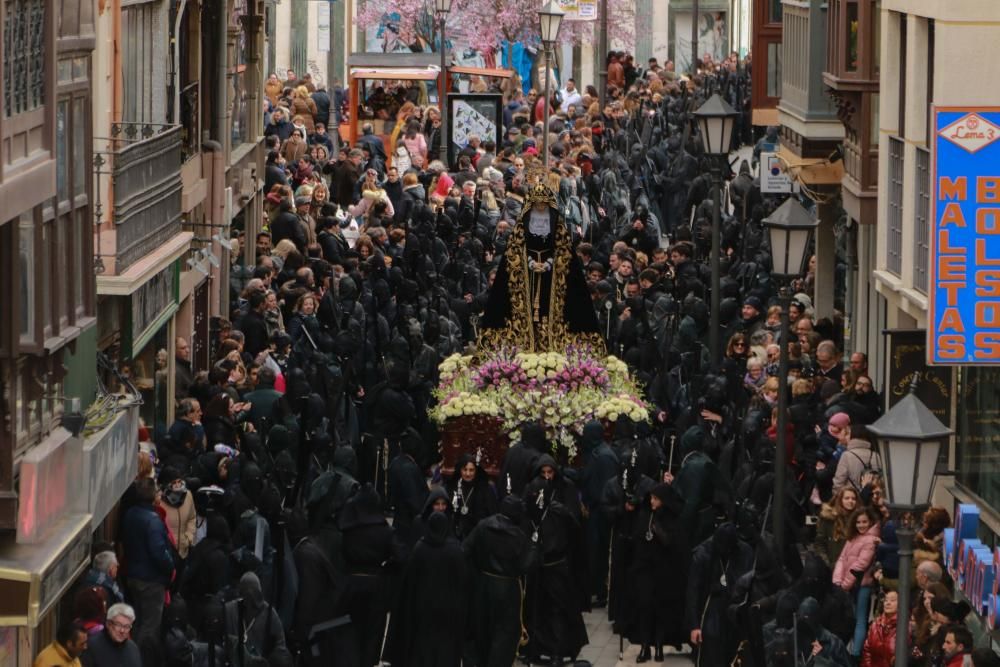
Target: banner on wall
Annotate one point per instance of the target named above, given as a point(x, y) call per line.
point(964, 296)
point(579, 10)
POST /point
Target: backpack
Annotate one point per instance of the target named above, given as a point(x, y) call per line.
point(867, 469)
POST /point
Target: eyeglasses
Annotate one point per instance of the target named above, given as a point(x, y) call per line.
point(125, 627)
point(739, 344)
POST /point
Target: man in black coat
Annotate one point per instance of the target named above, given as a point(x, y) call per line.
point(322, 100)
point(499, 553)
point(286, 225)
point(253, 325)
point(274, 172)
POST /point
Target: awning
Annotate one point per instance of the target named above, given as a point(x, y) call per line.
point(33, 577)
point(396, 73)
point(482, 71)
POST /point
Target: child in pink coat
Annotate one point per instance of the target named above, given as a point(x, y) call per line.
point(855, 567)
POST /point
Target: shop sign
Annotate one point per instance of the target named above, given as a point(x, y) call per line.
point(64, 570)
point(774, 178)
point(908, 356)
point(109, 464)
point(964, 295)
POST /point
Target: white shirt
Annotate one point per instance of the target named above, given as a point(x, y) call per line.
point(570, 98)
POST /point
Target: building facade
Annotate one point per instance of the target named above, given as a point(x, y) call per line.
point(925, 56)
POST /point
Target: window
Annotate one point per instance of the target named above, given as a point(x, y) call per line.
point(979, 432)
point(930, 80)
point(774, 69)
point(853, 27)
point(877, 37)
point(895, 245)
point(80, 152)
point(902, 75)
point(138, 42)
point(921, 213)
point(774, 14)
point(239, 75)
point(82, 262)
point(62, 151)
point(26, 252)
point(23, 56)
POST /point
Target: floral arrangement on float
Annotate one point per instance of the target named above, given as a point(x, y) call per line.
point(495, 394)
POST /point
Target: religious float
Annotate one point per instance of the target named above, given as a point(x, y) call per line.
point(539, 355)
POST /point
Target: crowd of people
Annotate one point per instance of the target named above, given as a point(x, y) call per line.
point(295, 511)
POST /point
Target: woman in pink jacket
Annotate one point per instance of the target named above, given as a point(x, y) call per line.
point(855, 566)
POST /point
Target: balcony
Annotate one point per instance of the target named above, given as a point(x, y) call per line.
point(142, 172)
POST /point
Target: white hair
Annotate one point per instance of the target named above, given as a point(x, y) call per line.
point(122, 609)
point(105, 560)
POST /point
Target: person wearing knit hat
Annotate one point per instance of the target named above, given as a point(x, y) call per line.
point(752, 322)
point(838, 424)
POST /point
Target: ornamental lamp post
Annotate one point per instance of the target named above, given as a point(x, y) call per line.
point(716, 120)
point(909, 437)
point(549, 20)
point(442, 8)
point(789, 229)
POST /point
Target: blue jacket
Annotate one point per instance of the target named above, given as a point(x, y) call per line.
point(147, 546)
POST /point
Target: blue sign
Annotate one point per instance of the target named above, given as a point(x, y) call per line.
point(964, 295)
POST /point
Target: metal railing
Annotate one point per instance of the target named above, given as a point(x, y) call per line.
point(189, 120)
point(894, 249)
point(143, 161)
point(922, 220)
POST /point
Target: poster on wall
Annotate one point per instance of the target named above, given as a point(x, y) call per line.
point(579, 10)
point(963, 299)
point(473, 114)
point(386, 37)
point(713, 37)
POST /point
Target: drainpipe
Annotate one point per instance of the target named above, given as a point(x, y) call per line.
point(177, 62)
point(221, 129)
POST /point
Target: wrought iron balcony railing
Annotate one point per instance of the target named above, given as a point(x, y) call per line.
point(143, 161)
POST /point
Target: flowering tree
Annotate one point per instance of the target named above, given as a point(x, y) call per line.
point(485, 24)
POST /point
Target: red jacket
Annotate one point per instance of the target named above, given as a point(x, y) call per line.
point(858, 555)
point(880, 645)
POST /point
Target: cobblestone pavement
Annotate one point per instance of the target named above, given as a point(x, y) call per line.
point(602, 650)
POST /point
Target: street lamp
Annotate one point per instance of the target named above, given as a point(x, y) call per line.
point(789, 230)
point(909, 440)
point(716, 120)
point(549, 19)
point(442, 8)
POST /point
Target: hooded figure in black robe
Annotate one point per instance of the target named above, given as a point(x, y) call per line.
point(252, 625)
point(622, 500)
point(499, 554)
point(659, 571)
point(320, 599)
point(472, 496)
point(520, 461)
point(428, 625)
point(370, 553)
point(539, 300)
point(556, 593)
point(716, 566)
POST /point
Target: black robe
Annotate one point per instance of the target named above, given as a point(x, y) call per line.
point(428, 623)
point(554, 599)
point(499, 553)
point(659, 573)
point(477, 496)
